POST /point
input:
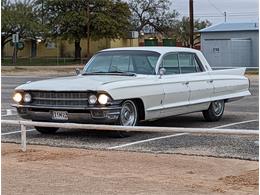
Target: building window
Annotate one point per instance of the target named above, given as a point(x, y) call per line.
point(50, 45)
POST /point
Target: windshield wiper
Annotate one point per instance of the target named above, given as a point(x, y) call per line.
point(119, 73)
point(123, 73)
point(93, 73)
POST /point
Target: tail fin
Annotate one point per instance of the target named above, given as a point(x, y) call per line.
point(233, 71)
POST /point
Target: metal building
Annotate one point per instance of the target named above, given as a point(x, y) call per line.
point(231, 45)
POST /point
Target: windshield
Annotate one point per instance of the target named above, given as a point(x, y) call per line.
point(138, 62)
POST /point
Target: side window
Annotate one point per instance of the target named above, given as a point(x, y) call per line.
point(198, 64)
point(188, 63)
point(170, 63)
point(152, 60)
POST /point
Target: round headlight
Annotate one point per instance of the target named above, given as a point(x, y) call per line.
point(27, 98)
point(103, 99)
point(92, 99)
point(17, 97)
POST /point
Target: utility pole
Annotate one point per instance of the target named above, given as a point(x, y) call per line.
point(88, 28)
point(42, 11)
point(191, 24)
point(225, 15)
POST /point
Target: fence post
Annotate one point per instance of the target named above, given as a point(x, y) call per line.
point(23, 137)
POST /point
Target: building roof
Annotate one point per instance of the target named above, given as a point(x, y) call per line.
point(224, 27)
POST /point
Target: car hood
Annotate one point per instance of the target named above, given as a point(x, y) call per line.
point(76, 83)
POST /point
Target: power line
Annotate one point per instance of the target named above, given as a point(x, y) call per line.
point(243, 14)
point(210, 14)
point(218, 16)
point(215, 7)
point(228, 14)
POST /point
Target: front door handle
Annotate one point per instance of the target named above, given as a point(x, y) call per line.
point(211, 81)
point(186, 83)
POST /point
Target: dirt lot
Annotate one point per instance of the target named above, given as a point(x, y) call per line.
point(50, 170)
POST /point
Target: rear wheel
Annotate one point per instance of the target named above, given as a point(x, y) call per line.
point(46, 130)
point(128, 117)
point(215, 111)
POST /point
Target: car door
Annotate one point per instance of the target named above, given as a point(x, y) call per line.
point(198, 80)
point(176, 90)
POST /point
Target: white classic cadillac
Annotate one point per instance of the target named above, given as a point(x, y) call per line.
point(127, 85)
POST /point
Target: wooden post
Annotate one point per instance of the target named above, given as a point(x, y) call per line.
point(191, 24)
point(88, 29)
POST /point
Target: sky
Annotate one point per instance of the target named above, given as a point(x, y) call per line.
point(213, 10)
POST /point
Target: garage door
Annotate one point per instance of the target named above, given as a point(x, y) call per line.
point(241, 52)
point(228, 52)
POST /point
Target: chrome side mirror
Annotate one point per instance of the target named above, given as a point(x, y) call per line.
point(77, 71)
point(162, 71)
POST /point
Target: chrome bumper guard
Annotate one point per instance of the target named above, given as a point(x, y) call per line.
point(108, 114)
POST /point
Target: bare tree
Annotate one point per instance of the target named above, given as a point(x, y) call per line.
point(153, 13)
point(182, 29)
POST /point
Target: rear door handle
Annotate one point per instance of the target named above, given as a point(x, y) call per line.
point(211, 81)
point(186, 83)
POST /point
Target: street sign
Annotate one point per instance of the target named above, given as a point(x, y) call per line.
point(20, 45)
point(15, 38)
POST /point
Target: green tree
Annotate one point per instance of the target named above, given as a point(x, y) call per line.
point(92, 19)
point(154, 13)
point(19, 17)
point(182, 29)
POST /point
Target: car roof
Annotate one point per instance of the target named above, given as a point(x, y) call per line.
point(161, 50)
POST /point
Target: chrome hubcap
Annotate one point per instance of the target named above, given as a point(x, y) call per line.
point(218, 107)
point(128, 115)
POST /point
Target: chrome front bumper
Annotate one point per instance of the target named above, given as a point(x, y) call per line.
point(103, 115)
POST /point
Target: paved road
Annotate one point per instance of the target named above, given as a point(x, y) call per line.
point(242, 114)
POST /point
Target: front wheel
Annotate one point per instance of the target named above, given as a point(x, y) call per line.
point(46, 130)
point(128, 117)
point(215, 111)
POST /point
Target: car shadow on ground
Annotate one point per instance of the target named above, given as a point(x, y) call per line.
point(192, 121)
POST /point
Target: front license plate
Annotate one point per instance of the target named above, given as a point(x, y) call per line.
point(60, 115)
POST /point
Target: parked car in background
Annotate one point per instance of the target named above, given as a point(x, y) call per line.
point(127, 85)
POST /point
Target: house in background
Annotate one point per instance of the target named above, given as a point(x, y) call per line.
point(231, 44)
point(64, 49)
point(150, 37)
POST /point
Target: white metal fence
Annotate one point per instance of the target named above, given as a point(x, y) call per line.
point(43, 61)
point(23, 125)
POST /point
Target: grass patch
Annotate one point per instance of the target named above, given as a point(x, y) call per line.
point(252, 72)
